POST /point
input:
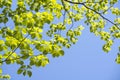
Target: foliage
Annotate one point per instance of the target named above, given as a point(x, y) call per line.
point(29, 19)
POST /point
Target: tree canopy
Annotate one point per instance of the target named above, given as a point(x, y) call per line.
point(47, 26)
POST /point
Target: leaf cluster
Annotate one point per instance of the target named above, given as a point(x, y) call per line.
point(36, 28)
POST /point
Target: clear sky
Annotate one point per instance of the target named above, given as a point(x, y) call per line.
point(83, 61)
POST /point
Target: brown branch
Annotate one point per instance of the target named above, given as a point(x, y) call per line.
point(94, 11)
point(17, 46)
point(81, 2)
point(102, 16)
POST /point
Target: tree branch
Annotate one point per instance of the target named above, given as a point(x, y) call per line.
point(94, 11)
point(102, 16)
point(81, 2)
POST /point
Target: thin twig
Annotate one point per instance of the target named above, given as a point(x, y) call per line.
point(16, 57)
point(107, 9)
point(68, 14)
point(15, 48)
point(64, 14)
point(12, 59)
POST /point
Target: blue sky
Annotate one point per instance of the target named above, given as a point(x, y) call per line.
point(83, 61)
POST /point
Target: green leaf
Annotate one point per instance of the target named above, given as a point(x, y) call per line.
point(20, 62)
point(1, 42)
point(8, 62)
point(38, 63)
point(118, 58)
point(68, 45)
point(0, 71)
point(61, 52)
point(1, 48)
point(32, 62)
point(29, 73)
point(119, 48)
point(23, 67)
point(24, 73)
point(29, 67)
point(19, 71)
